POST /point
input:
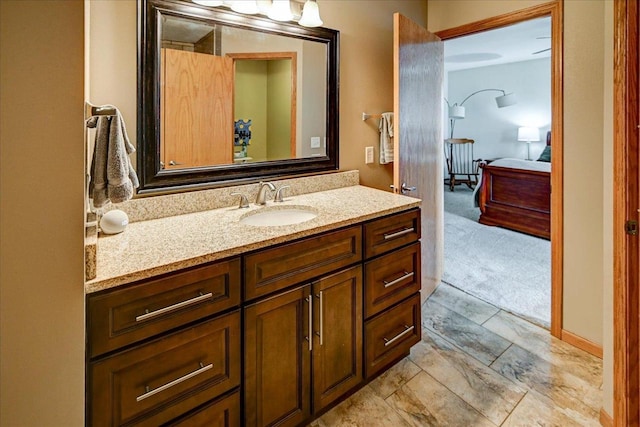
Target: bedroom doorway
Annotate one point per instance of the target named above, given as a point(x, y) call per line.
point(521, 257)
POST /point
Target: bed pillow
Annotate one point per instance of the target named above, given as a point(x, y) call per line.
point(545, 156)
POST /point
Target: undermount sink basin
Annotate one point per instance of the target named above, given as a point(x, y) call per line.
point(279, 215)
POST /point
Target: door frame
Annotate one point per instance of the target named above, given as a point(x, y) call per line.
point(268, 56)
point(626, 181)
point(554, 9)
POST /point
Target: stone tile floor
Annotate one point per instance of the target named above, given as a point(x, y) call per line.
point(478, 366)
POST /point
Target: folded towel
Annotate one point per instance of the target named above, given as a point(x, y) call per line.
point(113, 178)
point(386, 133)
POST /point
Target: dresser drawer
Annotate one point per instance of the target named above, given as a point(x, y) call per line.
point(123, 316)
point(388, 233)
point(156, 382)
point(390, 335)
point(391, 278)
point(223, 412)
point(273, 269)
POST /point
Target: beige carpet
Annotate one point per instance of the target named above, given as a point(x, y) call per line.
point(508, 269)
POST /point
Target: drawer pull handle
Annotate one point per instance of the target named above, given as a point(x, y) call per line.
point(407, 330)
point(183, 378)
point(309, 338)
point(319, 296)
point(173, 307)
point(398, 280)
point(399, 233)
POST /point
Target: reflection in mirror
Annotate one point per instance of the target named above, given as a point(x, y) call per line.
point(226, 99)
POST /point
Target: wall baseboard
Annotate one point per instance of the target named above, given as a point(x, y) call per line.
point(605, 419)
point(582, 343)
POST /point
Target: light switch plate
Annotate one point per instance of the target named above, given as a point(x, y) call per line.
point(315, 142)
point(368, 155)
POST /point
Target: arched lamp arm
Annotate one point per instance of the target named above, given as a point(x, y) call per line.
point(479, 91)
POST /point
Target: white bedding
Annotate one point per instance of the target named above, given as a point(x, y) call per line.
point(522, 164)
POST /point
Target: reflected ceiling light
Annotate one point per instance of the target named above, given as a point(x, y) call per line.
point(250, 7)
point(210, 3)
point(310, 15)
point(280, 11)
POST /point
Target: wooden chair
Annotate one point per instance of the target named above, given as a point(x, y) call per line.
point(461, 166)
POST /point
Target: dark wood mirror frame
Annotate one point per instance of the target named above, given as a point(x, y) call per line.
point(153, 179)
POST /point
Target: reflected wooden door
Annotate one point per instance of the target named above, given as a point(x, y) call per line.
point(418, 73)
point(196, 109)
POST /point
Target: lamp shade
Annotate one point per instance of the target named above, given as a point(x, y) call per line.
point(456, 112)
point(281, 11)
point(506, 100)
point(528, 134)
point(310, 15)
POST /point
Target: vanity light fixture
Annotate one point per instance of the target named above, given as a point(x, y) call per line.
point(249, 7)
point(310, 15)
point(280, 11)
point(306, 12)
point(210, 3)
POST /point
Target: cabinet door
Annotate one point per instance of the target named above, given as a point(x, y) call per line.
point(278, 359)
point(337, 347)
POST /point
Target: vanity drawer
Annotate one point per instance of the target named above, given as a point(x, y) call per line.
point(273, 269)
point(388, 233)
point(391, 278)
point(156, 382)
point(390, 335)
point(224, 412)
point(124, 316)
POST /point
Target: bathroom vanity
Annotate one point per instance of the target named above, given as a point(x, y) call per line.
point(252, 325)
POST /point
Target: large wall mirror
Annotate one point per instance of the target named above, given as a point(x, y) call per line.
point(226, 98)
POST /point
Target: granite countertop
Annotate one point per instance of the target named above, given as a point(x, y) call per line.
point(149, 248)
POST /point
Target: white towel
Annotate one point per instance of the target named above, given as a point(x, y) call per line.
point(386, 133)
point(113, 178)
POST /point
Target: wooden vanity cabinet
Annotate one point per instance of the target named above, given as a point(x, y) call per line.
point(318, 318)
point(303, 347)
point(163, 347)
point(392, 290)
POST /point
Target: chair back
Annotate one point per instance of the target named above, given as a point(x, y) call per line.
point(459, 156)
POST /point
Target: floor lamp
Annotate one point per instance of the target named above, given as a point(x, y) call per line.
point(457, 111)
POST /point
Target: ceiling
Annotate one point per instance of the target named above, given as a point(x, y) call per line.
point(514, 43)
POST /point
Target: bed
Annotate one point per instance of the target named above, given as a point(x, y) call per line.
point(516, 194)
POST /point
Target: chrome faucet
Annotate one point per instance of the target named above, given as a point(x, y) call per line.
point(261, 198)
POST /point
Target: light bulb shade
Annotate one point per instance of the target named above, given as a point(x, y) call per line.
point(506, 100)
point(250, 7)
point(310, 15)
point(456, 112)
point(281, 11)
point(528, 134)
point(210, 3)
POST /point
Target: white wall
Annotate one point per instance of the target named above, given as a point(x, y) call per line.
point(494, 129)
